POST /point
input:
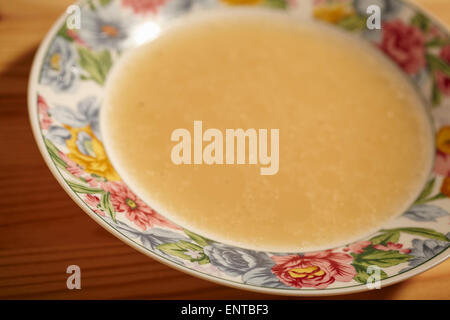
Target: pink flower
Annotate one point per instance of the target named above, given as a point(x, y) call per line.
point(42, 105)
point(442, 80)
point(45, 119)
point(91, 181)
point(442, 164)
point(392, 246)
point(124, 200)
point(74, 35)
point(46, 122)
point(434, 33)
point(445, 53)
point(143, 6)
point(315, 270)
point(357, 247)
point(405, 45)
point(74, 169)
point(93, 202)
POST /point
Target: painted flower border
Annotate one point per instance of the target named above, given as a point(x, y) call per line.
point(110, 201)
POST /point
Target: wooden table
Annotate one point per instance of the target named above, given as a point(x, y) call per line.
point(42, 230)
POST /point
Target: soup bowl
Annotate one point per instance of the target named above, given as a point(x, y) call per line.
point(66, 90)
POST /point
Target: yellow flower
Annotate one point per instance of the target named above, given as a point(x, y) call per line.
point(242, 2)
point(55, 61)
point(333, 13)
point(97, 161)
point(443, 140)
point(308, 272)
point(110, 30)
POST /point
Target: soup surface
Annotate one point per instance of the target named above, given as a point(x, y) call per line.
point(354, 140)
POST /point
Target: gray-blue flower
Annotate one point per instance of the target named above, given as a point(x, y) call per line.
point(151, 238)
point(176, 8)
point(424, 250)
point(58, 135)
point(60, 69)
point(103, 28)
point(87, 113)
point(157, 236)
point(263, 277)
point(236, 261)
point(425, 212)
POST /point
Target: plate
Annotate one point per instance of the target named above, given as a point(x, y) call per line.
point(65, 94)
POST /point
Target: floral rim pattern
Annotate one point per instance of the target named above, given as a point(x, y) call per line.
point(65, 101)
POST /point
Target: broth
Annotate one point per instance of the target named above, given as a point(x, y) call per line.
point(355, 144)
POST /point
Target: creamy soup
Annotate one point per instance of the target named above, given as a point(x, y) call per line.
point(354, 139)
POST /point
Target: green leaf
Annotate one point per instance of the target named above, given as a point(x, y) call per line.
point(353, 23)
point(437, 197)
point(386, 237)
point(421, 21)
point(104, 2)
point(50, 146)
point(180, 249)
point(96, 64)
point(198, 239)
point(436, 95)
point(437, 42)
point(91, 5)
point(362, 276)
point(58, 161)
point(281, 4)
point(437, 63)
point(422, 232)
point(63, 32)
point(382, 258)
point(82, 189)
point(426, 191)
point(54, 154)
point(106, 204)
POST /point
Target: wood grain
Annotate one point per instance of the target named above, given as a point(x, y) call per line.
point(42, 231)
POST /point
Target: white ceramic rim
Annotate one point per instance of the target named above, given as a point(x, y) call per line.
point(32, 112)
